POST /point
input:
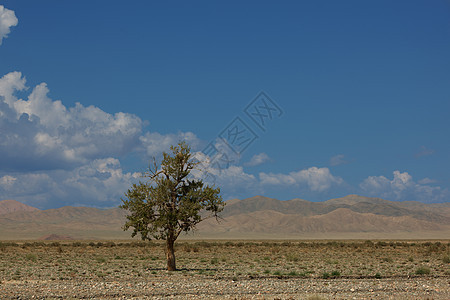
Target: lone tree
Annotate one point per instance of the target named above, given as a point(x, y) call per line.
point(170, 202)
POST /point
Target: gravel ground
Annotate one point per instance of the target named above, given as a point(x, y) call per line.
point(226, 270)
point(183, 287)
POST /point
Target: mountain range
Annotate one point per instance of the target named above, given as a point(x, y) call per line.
point(257, 217)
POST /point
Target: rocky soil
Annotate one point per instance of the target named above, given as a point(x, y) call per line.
point(226, 270)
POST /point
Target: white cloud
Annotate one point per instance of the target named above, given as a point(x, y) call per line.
point(154, 143)
point(8, 19)
point(232, 178)
point(258, 159)
point(403, 187)
point(40, 133)
point(338, 160)
point(426, 180)
point(102, 182)
point(7, 181)
point(57, 154)
point(316, 179)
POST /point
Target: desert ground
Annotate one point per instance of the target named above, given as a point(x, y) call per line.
point(371, 269)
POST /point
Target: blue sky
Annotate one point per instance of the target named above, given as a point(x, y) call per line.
point(90, 90)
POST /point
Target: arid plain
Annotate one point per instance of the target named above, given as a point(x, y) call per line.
point(226, 270)
point(348, 248)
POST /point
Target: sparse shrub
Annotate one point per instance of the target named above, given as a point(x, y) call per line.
point(316, 297)
point(378, 276)
point(335, 273)
point(381, 244)
point(325, 275)
point(292, 273)
point(332, 262)
point(422, 270)
point(292, 257)
point(100, 274)
point(110, 244)
point(411, 259)
point(369, 243)
point(387, 259)
point(446, 259)
point(214, 261)
point(31, 256)
point(266, 271)
point(100, 260)
point(277, 273)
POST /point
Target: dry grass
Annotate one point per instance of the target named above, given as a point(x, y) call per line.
point(225, 259)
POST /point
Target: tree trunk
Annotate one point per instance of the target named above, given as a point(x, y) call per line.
point(170, 253)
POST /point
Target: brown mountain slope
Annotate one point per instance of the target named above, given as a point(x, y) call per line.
point(256, 217)
point(294, 206)
point(353, 202)
point(9, 206)
point(339, 220)
point(84, 222)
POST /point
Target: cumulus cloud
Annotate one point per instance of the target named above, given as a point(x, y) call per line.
point(51, 153)
point(154, 143)
point(258, 159)
point(426, 180)
point(316, 179)
point(403, 187)
point(8, 19)
point(39, 133)
point(102, 182)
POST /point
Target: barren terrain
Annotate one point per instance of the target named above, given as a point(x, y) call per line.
point(350, 217)
point(226, 270)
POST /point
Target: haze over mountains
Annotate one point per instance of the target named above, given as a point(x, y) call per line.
point(352, 216)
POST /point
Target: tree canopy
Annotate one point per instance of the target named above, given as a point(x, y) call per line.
point(170, 201)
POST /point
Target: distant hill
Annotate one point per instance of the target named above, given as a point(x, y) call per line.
point(55, 237)
point(352, 216)
point(9, 206)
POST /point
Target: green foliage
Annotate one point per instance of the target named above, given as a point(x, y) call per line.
point(335, 273)
point(292, 257)
point(170, 202)
point(32, 257)
point(423, 270)
point(277, 273)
